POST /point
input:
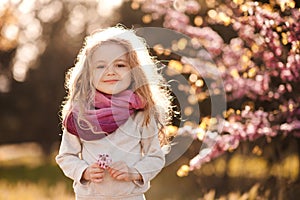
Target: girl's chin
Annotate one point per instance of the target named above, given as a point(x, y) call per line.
point(108, 91)
point(111, 88)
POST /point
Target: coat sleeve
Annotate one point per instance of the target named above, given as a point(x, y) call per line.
point(68, 157)
point(153, 159)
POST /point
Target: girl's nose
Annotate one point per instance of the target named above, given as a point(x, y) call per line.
point(110, 70)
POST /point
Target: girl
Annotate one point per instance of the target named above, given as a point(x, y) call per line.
point(113, 118)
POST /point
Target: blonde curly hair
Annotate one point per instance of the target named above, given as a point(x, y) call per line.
point(147, 81)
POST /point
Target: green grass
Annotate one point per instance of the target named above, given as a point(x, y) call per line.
point(30, 176)
point(33, 191)
point(49, 174)
point(27, 174)
point(42, 182)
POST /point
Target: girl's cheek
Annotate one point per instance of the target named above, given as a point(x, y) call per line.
point(96, 76)
point(126, 74)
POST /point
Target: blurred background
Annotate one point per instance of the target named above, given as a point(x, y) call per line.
point(255, 47)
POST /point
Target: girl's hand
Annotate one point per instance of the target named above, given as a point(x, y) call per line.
point(120, 171)
point(93, 173)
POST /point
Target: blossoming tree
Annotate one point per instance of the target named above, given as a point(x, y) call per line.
point(259, 64)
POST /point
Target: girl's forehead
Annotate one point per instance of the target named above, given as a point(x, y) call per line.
point(108, 51)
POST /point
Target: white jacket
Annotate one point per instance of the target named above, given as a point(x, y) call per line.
point(132, 143)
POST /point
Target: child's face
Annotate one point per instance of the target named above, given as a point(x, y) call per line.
point(111, 71)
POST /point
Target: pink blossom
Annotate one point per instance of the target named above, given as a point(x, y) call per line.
point(261, 65)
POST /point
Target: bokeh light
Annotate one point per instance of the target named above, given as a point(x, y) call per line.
point(25, 28)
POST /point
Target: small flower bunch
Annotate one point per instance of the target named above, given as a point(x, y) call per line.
point(104, 160)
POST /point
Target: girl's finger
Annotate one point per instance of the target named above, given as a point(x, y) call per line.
point(95, 165)
point(100, 174)
point(120, 176)
point(97, 180)
point(116, 173)
point(93, 176)
point(112, 170)
point(98, 170)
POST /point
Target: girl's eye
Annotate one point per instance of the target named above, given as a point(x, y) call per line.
point(121, 65)
point(100, 67)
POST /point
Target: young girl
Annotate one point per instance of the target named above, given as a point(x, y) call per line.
point(113, 118)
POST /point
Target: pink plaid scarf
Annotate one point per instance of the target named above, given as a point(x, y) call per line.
point(108, 114)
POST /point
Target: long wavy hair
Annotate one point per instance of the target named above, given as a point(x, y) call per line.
point(146, 79)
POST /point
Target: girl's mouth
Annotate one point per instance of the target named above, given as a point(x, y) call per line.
point(110, 81)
